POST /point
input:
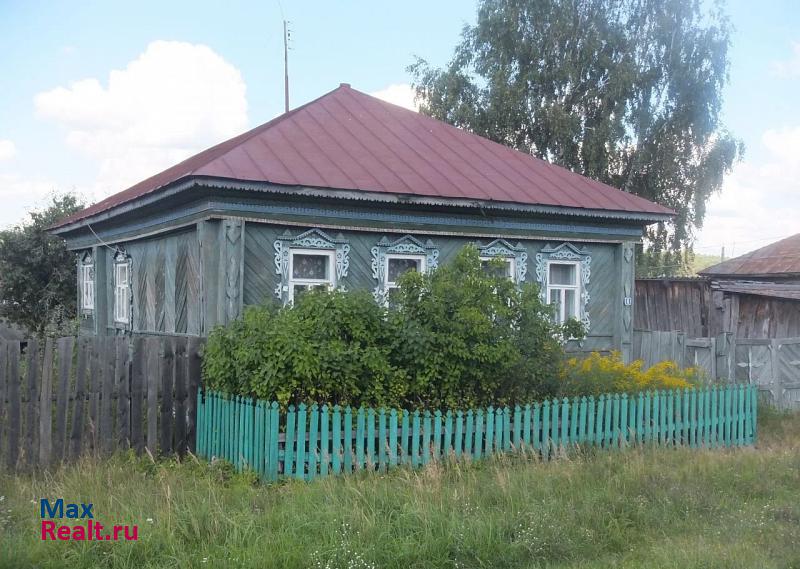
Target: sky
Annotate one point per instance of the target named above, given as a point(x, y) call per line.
point(97, 95)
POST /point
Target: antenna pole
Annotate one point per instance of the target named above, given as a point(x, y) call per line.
point(285, 67)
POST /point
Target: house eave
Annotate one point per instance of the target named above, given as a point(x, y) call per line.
point(204, 182)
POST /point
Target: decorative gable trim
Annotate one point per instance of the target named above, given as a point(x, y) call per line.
point(503, 249)
point(407, 245)
point(311, 239)
point(566, 252)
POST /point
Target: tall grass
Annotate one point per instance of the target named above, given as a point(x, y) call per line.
point(637, 508)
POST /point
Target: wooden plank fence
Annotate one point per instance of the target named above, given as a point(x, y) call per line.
point(773, 365)
point(308, 442)
point(69, 396)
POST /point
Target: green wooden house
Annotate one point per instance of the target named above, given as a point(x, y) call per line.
point(350, 191)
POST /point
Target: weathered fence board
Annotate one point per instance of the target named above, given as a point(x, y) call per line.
point(771, 364)
point(307, 442)
point(96, 396)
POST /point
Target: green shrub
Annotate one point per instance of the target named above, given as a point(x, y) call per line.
point(458, 336)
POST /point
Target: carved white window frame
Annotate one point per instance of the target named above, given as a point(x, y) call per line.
point(566, 252)
point(562, 288)
point(312, 241)
point(87, 283)
point(122, 289)
point(405, 247)
point(329, 283)
point(389, 285)
point(515, 255)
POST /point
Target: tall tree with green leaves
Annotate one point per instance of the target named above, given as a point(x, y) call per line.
point(37, 273)
point(627, 92)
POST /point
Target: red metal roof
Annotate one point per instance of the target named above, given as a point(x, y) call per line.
point(779, 258)
point(349, 140)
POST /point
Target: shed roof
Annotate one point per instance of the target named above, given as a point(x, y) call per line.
point(348, 140)
point(773, 290)
point(781, 258)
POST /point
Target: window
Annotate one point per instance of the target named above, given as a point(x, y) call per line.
point(122, 292)
point(563, 290)
point(310, 268)
point(87, 284)
point(396, 265)
point(507, 270)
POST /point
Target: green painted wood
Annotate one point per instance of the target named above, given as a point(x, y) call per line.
point(427, 435)
point(590, 420)
point(582, 420)
point(639, 421)
point(324, 440)
point(288, 449)
point(405, 438)
point(729, 416)
point(348, 440)
point(657, 417)
point(382, 464)
point(599, 431)
point(754, 405)
point(670, 401)
point(694, 419)
point(360, 434)
point(477, 438)
point(447, 444)
point(488, 446)
point(740, 440)
point(393, 437)
point(536, 430)
point(714, 419)
point(469, 436)
point(371, 456)
point(616, 423)
point(415, 435)
point(748, 416)
point(313, 441)
point(565, 419)
point(574, 420)
point(555, 441)
point(686, 397)
point(507, 428)
point(545, 439)
point(274, 430)
point(337, 451)
point(623, 420)
point(459, 432)
point(500, 429)
point(608, 429)
point(526, 427)
point(437, 434)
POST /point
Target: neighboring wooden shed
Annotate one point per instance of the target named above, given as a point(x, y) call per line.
point(350, 191)
point(754, 296)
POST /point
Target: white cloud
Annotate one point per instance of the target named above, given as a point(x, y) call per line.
point(7, 149)
point(401, 94)
point(20, 194)
point(788, 67)
point(759, 203)
point(172, 101)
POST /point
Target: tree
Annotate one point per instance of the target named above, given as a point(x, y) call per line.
point(627, 92)
point(37, 273)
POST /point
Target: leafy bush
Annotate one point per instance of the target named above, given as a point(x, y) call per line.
point(328, 347)
point(456, 337)
point(599, 374)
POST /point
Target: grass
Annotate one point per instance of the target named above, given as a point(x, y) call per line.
point(639, 508)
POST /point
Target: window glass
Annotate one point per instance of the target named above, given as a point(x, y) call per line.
point(398, 266)
point(569, 304)
point(490, 266)
point(306, 266)
point(562, 274)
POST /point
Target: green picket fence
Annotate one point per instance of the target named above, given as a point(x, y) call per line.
point(307, 442)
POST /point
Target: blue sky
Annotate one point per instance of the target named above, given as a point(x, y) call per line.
point(97, 95)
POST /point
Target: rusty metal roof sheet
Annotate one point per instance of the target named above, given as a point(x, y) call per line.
point(781, 258)
point(348, 140)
